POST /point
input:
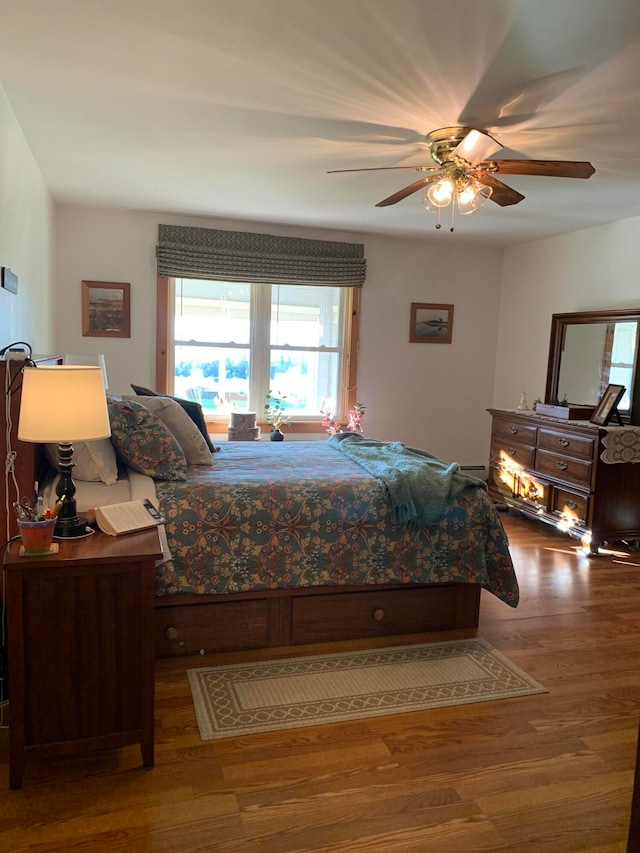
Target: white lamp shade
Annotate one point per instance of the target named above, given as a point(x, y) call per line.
point(63, 403)
point(97, 360)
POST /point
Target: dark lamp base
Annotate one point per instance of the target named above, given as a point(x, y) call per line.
point(67, 528)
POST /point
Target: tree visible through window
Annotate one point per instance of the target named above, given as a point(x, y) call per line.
point(234, 342)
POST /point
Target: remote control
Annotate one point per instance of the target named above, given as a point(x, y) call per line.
point(153, 512)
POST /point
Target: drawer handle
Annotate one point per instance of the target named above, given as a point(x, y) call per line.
point(511, 451)
point(378, 614)
point(171, 633)
point(563, 442)
point(571, 504)
point(513, 430)
point(561, 466)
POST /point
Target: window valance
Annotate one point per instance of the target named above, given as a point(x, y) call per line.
point(186, 252)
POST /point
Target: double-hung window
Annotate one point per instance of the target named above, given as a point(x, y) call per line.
point(231, 343)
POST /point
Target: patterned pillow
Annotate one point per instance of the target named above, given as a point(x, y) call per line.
point(186, 432)
point(191, 407)
point(144, 443)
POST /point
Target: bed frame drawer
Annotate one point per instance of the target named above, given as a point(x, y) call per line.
point(196, 628)
point(297, 616)
point(323, 618)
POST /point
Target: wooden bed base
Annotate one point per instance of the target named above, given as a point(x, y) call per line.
point(201, 624)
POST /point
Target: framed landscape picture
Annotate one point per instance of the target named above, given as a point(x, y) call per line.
point(106, 311)
point(431, 323)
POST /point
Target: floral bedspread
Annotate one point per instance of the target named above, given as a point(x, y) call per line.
point(269, 515)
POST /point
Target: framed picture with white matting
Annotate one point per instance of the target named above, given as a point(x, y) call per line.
point(431, 323)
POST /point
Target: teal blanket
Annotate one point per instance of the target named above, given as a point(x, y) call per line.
point(419, 486)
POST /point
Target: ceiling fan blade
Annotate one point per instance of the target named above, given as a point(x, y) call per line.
point(476, 146)
point(548, 168)
point(502, 194)
point(407, 191)
point(385, 168)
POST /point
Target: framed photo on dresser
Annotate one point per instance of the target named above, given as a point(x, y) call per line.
point(608, 405)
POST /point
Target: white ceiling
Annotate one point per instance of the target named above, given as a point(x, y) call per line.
point(238, 108)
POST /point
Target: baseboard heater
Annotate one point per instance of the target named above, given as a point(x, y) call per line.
point(479, 471)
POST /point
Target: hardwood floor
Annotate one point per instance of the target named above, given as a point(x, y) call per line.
point(548, 773)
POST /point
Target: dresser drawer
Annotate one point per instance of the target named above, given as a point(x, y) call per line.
point(514, 431)
point(565, 444)
point(560, 467)
point(570, 505)
point(504, 451)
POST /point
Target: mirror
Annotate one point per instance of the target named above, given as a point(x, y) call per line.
point(590, 350)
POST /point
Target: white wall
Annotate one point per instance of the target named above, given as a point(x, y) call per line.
point(25, 228)
point(427, 395)
point(588, 270)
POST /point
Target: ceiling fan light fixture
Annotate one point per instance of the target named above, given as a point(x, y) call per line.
point(463, 193)
point(472, 197)
point(439, 195)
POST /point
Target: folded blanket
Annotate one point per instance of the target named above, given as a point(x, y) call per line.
point(418, 485)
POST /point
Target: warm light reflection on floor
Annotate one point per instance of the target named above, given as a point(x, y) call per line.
point(578, 551)
point(607, 552)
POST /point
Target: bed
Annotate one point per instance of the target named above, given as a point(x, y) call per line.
point(285, 543)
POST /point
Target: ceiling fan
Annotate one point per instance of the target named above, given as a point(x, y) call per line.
point(465, 179)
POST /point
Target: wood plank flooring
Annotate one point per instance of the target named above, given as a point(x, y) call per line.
point(550, 773)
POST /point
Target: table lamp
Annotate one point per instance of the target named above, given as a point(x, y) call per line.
point(64, 403)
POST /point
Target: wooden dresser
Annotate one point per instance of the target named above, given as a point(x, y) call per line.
point(552, 470)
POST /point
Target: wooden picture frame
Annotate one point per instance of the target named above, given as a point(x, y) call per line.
point(106, 309)
point(431, 323)
point(607, 405)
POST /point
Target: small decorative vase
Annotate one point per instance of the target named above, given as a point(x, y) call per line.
point(276, 435)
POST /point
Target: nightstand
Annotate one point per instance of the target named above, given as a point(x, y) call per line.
point(80, 643)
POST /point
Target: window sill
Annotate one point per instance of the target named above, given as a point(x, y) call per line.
point(219, 426)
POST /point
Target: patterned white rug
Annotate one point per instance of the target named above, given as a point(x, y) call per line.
point(306, 691)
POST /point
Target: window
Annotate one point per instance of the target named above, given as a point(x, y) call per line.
point(622, 359)
point(232, 342)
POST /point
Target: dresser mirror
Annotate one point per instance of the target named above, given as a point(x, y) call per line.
point(590, 350)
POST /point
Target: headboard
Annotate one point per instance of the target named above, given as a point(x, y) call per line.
point(29, 462)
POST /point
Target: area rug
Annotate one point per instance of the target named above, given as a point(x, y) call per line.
point(307, 691)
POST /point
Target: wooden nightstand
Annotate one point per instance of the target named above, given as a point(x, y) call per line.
point(80, 643)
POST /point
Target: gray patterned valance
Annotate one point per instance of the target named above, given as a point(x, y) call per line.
point(185, 252)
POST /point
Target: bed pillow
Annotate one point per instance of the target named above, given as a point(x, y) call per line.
point(191, 407)
point(94, 461)
point(144, 443)
point(183, 428)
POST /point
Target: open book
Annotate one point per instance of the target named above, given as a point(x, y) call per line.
point(127, 517)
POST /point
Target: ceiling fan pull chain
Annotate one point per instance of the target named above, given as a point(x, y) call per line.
point(454, 202)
